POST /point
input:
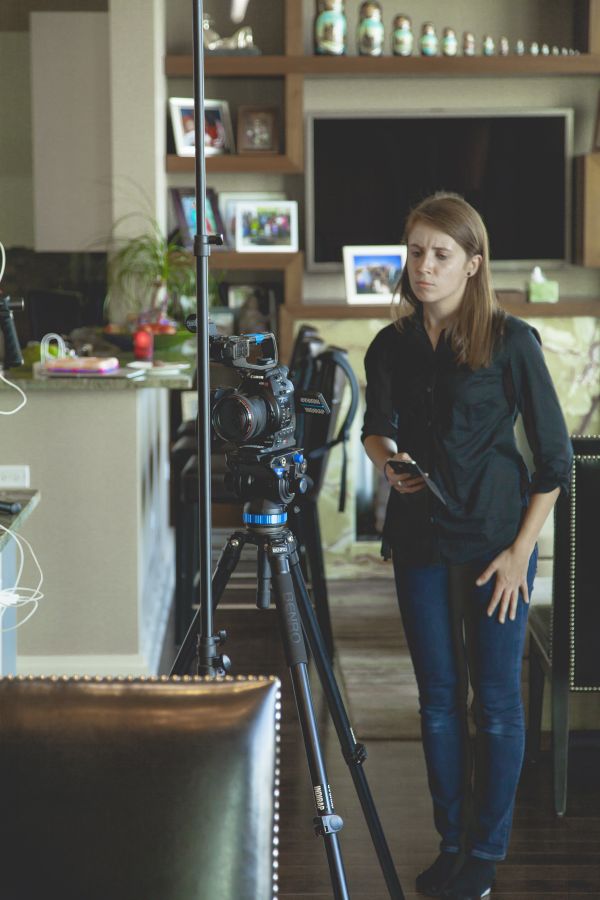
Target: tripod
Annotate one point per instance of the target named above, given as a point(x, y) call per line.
point(281, 474)
point(278, 569)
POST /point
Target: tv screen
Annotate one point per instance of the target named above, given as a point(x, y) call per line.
point(367, 172)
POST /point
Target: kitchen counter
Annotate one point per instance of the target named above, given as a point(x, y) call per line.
point(26, 380)
point(102, 533)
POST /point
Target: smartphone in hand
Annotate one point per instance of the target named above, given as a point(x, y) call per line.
point(404, 467)
point(410, 467)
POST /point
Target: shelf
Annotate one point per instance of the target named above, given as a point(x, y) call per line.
point(523, 309)
point(256, 66)
point(233, 162)
point(458, 66)
point(229, 259)
point(411, 66)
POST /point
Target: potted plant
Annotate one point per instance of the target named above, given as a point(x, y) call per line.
point(147, 276)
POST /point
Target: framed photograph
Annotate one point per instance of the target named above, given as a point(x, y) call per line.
point(372, 272)
point(228, 203)
point(258, 129)
point(184, 205)
point(255, 306)
point(264, 226)
point(218, 134)
point(596, 145)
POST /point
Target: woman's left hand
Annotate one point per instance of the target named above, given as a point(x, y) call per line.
point(510, 567)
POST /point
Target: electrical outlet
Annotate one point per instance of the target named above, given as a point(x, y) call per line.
point(14, 476)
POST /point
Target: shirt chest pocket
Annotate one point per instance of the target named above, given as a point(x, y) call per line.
point(475, 395)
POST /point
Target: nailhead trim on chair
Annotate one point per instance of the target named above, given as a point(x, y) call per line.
point(120, 679)
point(572, 686)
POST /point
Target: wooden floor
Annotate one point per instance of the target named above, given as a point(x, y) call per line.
point(548, 857)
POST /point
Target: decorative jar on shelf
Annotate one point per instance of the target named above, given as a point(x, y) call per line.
point(488, 47)
point(449, 42)
point(468, 43)
point(370, 33)
point(330, 28)
point(402, 36)
point(428, 42)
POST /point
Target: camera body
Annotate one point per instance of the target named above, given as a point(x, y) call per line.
point(256, 420)
point(259, 411)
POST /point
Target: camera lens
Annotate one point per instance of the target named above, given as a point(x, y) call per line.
point(237, 418)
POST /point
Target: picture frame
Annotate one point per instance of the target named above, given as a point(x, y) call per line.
point(255, 306)
point(184, 206)
point(258, 130)
point(267, 226)
point(228, 201)
point(372, 272)
point(218, 133)
point(596, 139)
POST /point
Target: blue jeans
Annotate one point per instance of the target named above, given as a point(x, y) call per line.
point(453, 641)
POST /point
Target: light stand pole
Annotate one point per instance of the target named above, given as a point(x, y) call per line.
point(209, 662)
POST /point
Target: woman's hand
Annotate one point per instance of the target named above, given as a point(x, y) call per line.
point(510, 567)
point(403, 483)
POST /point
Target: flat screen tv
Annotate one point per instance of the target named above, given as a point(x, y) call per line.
point(366, 171)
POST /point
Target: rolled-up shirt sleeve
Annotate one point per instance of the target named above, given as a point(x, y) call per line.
point(543, 419)
point(380, 416)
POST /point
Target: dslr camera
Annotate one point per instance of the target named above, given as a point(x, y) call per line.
point(256, 420)
point(260, 410)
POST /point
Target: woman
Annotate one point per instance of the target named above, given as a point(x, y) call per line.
point(445, 384)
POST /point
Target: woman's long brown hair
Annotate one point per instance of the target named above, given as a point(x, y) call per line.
point(480, 320)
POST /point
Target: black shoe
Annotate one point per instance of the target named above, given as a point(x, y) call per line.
point(433, 880)
point(473, 882)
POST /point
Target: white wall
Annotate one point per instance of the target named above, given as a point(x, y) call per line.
point(138, 110)
point(16, 192)
point(71, 132)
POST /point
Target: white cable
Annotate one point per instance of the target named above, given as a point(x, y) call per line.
point(16, 597)
point(23, 401)
point(9, 412)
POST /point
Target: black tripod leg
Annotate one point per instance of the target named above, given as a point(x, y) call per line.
point(354, 753)
point(228, 560)
point(314, 552)
point(327, 823)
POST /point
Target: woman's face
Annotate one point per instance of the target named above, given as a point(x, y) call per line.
point(438, 267)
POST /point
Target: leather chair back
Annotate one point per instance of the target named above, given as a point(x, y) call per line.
point(147, 789)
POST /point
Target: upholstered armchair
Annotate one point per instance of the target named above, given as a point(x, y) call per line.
point(138, 789)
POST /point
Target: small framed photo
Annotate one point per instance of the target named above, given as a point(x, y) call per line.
point(184, 205)
point(596, 145)
point(228, 203)
point(255, 306)
point(372, 272)
point(218, 133)
point(264, 226)
point(258, 129)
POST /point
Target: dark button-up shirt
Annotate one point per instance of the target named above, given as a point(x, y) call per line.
point(458, 425)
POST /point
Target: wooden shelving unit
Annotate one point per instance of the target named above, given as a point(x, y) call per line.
point(293, 67)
